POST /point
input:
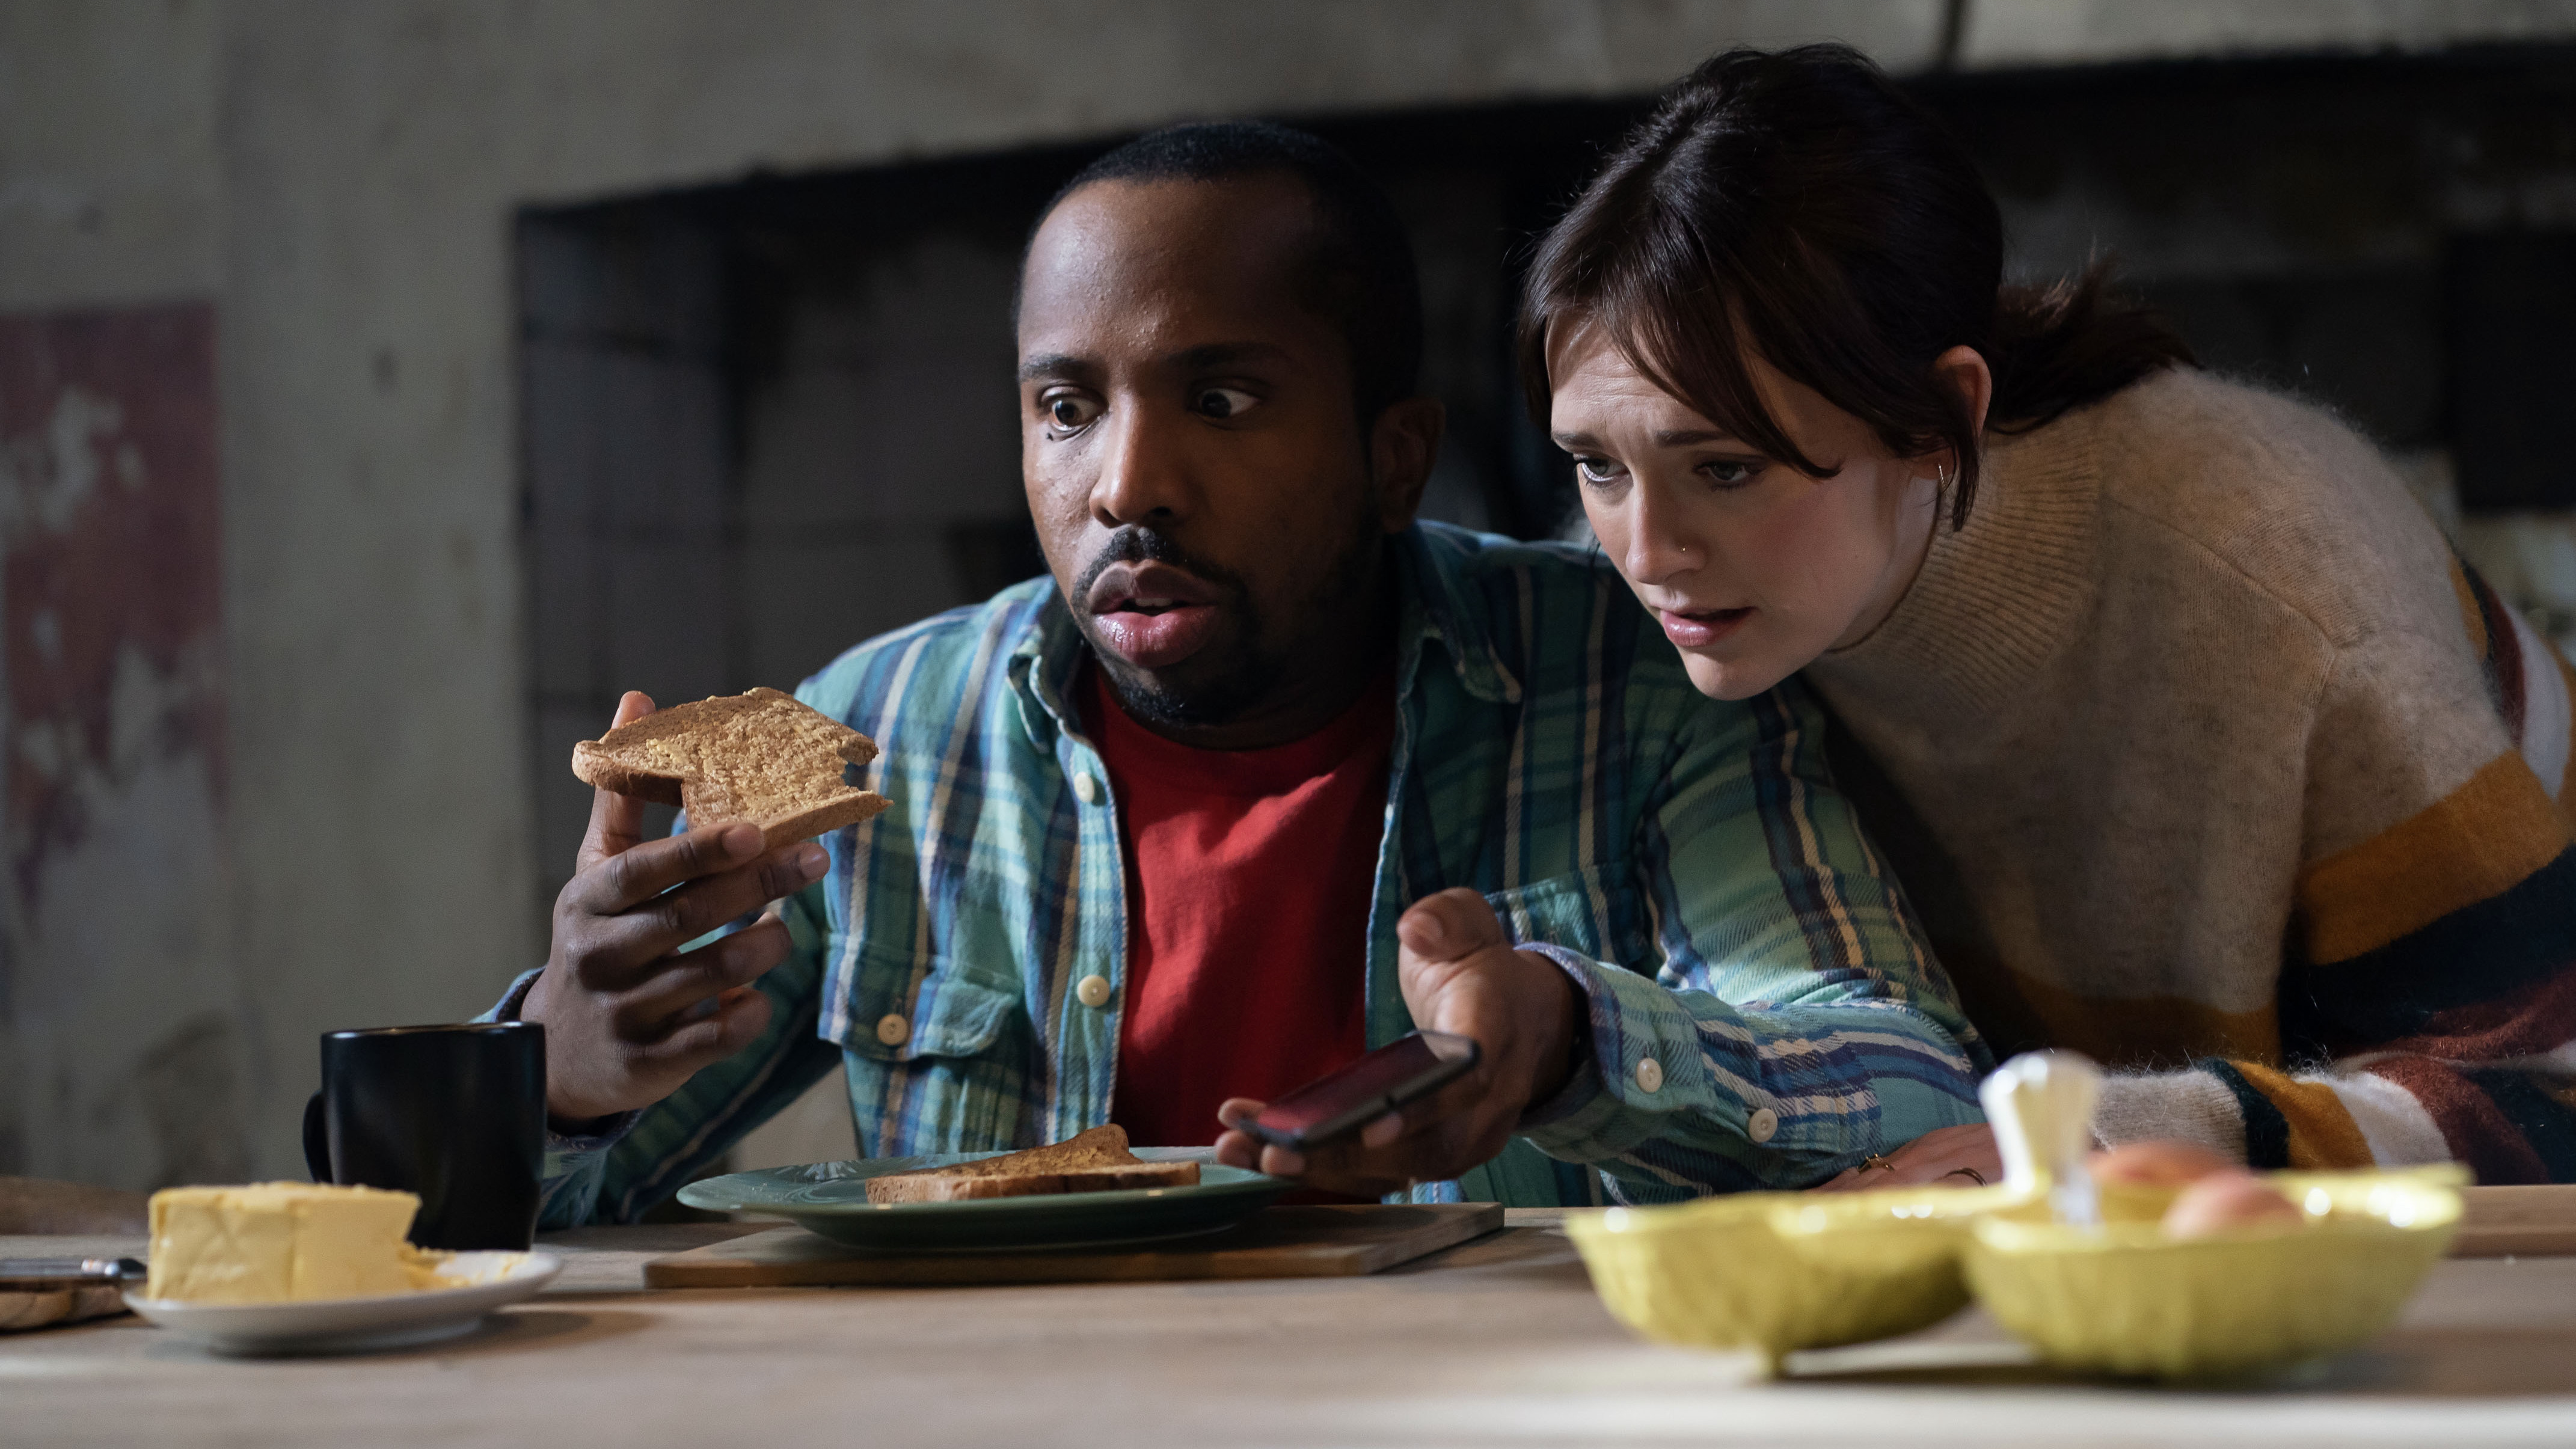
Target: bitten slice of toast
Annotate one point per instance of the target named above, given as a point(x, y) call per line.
point(1093, 1161)
point(763, 757)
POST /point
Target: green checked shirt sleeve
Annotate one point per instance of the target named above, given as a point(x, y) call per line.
point(1794, 1022)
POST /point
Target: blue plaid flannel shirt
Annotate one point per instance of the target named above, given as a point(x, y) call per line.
point(1687, 861)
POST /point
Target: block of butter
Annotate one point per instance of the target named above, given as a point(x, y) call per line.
point(285, 1242)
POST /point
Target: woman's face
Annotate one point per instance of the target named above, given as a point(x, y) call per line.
point(1752, 567)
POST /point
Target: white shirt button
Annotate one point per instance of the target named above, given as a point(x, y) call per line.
point(1650, 1075)
point(1762, 1124)
point(1092, 990)
point(1086, 786)
point(893, 1030)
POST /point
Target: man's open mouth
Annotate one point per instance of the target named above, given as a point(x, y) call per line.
point(1151, 614)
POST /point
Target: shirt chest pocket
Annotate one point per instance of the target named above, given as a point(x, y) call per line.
point(1596, 911)
point(901, 1007)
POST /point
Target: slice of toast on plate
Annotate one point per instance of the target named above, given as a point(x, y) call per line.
point(1093, 1161)
point(764, 757)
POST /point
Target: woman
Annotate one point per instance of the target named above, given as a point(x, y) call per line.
point(2195, 746)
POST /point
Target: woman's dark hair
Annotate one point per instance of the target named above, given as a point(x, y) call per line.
point(1799, 206)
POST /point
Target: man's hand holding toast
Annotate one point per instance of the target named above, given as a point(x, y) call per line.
point(629, 1016)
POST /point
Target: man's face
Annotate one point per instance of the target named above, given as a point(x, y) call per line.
point(1199, 480)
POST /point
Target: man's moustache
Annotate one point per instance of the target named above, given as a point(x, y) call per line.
point(1136, 543)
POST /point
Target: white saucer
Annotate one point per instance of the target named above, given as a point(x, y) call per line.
point(357, 1325)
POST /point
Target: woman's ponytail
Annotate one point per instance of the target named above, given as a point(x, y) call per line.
point(2071, 342)
point(1800, 208)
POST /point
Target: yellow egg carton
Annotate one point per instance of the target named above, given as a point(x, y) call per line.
point(1773, 1273)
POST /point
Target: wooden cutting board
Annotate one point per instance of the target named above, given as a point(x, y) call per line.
point(2528, 1222)
point(1279, 1242)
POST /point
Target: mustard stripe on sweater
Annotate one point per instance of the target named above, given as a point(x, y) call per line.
point(2198, 751)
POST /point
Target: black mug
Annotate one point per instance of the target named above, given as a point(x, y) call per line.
point(456, 1114)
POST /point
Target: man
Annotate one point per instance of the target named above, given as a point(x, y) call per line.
point(1240, 789)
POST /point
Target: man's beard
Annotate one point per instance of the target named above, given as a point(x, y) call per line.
point(1219, 691)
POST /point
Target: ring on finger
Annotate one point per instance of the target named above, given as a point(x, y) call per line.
point(1874, 1162)
point(1970, 1173)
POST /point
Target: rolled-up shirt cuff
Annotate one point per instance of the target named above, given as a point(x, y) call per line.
point(566, 1152)
point(1583, 1083)
point(507, 1008)
point(1616, 1100)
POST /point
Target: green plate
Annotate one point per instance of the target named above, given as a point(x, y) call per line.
point(831, 1198)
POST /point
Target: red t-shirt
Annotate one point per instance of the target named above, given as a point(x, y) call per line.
point(1249, 878)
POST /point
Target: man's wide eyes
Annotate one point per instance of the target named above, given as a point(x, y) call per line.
point(1070, 410)
point(1223, 402)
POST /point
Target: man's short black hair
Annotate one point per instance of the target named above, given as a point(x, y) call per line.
point(1361, 273)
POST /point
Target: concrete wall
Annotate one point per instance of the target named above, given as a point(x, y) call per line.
point(127, 1045)
point(339, 182)
point(109, 179)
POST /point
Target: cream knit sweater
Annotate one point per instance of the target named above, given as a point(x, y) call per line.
point(2148, 740)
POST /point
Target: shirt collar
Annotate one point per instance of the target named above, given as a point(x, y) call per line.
point(1442, 603)
point(1436, 603)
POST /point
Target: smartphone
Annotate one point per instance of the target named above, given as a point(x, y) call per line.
point(1344, 1100)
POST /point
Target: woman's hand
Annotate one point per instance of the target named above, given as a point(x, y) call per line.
point(1948, 1157)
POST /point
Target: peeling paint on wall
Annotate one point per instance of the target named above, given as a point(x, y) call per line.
point(113, 752)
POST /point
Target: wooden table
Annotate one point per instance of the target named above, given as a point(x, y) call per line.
point(1499, 1341)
